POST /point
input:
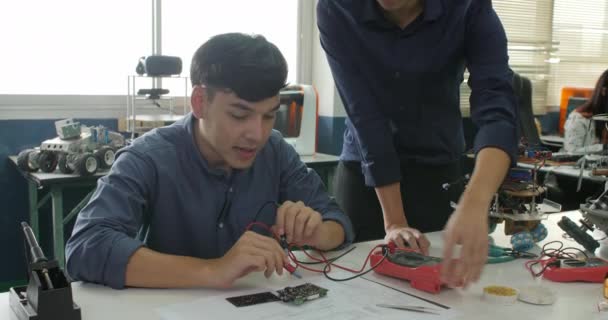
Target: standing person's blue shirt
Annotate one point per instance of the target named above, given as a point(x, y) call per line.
point(403, 100)
point(190, 208)
point(398, 66)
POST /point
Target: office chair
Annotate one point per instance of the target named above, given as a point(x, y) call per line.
point(522, 88)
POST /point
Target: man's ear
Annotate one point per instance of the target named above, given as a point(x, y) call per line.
point(198, 101)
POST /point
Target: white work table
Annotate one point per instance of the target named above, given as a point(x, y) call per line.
point(574, 300)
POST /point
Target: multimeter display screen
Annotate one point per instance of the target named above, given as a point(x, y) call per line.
point(412, 259)
point(589, 263)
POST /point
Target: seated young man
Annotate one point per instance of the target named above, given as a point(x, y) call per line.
point(200, 182)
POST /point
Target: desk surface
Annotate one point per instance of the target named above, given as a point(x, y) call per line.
point(574, 300)
point(553, 140)
point(43, 179)
point(566, 170)
point(320, 158)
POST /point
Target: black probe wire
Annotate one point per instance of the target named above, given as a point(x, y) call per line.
point(327, 266)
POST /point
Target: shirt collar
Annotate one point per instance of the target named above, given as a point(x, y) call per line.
point(188, 122)
point(371, 11)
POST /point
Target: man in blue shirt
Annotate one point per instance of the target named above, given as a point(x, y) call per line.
point(199, 183)
point(398, 66)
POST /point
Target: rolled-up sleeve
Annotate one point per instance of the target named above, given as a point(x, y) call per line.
point(493, 104)
point(300, 183)
point(380, 162)
point(104, 235)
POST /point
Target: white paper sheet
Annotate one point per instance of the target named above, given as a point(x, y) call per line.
point(350, 300)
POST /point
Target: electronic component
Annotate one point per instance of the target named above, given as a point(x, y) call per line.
point(302, 293)
point(253, 299)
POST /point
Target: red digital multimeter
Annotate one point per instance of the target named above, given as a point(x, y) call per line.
point(569, 270)
point(422, 271)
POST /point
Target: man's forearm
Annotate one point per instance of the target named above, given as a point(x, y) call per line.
point(491, 167)
point(390, 200)
point(151, 269)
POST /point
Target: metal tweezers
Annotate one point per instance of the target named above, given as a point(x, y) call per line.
point(409, 308)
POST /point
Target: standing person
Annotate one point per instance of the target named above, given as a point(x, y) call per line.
point(398, 66)
point(201, 181)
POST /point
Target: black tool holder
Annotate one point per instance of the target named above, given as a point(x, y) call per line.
point(48, 295)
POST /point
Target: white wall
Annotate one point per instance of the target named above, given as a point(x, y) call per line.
point(330, 104)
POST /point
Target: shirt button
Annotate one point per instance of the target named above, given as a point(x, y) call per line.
point(397, 75)
point(230, 190)
point(221, 225)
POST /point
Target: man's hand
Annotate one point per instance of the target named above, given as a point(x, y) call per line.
point(252, 252)
point(467, 226)
point(405, 236)
point(299, 223)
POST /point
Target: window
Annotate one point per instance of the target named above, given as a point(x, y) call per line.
point(528, 28)
point(188, 24)
point(67, 47)
point(581, 27)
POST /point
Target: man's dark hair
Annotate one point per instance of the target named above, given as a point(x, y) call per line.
point(250, 66)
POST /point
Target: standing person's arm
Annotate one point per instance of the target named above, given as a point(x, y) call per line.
point(380, 162)
point(493, 110)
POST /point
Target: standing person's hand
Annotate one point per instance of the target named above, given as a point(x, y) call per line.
point(468, 226)
point(405, 236)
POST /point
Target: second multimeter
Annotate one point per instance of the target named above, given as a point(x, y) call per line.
point(570, 270)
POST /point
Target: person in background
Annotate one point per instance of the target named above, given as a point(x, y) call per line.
point(398, 66)
point(581, 134)
point(199, 183)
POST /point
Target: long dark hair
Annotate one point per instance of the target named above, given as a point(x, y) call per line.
point(598, 102)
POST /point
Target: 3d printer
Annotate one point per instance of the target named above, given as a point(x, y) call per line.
point(297, 118)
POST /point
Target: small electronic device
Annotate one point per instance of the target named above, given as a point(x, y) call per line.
point(253, 299)
point(295, 295)
point(422, 271)
point(297, 117)
point(302, 293)
point(570, 270)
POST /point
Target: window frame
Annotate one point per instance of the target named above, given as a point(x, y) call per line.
point(44, 106)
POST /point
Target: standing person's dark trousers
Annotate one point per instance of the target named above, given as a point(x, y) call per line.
point(426, 203)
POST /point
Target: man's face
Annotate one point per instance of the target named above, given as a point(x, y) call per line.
point(236, 129)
